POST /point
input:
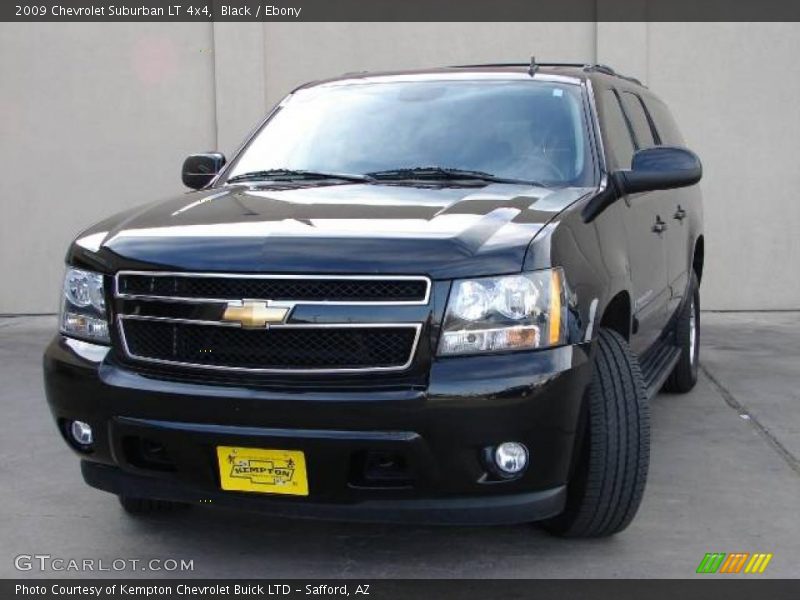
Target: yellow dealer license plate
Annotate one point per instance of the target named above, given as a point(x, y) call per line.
point(262, 470)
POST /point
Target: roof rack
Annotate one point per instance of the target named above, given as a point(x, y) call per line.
point(606, 70)
point(589, 67)
point(521, 64)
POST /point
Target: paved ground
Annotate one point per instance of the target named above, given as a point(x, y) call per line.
point(724, 477)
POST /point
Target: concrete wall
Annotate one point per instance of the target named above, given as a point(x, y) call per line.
point(734, 90)
point(87, 109)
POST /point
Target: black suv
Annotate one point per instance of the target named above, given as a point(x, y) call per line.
point(431, 296)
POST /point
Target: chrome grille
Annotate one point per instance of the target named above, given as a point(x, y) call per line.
point(284, 348)
point(309, 289)
point(182, 319)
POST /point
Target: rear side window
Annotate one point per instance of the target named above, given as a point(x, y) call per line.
point(665, 124)
point(639, 121)
point(617, 138)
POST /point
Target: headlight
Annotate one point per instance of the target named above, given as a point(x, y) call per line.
point(83, 306)
point(514, 312)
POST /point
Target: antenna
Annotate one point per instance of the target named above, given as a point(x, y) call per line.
point(533, 67)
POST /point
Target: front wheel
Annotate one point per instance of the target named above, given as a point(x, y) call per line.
point(607, 485)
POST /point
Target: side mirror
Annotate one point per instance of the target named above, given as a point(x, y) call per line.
point(657, 168)
point(660, 168)
point(199, 169)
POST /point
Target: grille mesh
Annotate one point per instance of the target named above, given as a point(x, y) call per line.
point(275, 348)
point(311, 289)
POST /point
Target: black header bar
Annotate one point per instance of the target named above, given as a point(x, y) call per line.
point(702, 588)
point(399, 10)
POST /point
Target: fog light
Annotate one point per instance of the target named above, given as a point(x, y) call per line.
point(511, 458)
point(82, 433)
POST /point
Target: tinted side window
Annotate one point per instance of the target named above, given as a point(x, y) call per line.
point(665, 124)
point(616, 132)
point(641, 125)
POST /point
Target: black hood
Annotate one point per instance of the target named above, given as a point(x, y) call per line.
point(443, 232)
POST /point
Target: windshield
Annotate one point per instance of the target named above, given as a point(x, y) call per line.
point(517, 130)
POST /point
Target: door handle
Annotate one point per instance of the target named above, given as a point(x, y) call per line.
point(680, 214)
point(659, 226)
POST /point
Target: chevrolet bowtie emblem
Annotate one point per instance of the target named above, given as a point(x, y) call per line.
point(255, 315)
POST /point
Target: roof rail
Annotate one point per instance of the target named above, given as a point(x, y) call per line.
point(589, 67)
point(521, 64)
point(606, 70)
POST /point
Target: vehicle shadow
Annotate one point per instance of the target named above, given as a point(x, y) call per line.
point(230, 543)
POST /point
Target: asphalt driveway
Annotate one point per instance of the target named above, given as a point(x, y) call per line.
point(724, 477)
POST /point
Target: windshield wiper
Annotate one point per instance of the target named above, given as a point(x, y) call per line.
point(293, 175)
point(444, 173)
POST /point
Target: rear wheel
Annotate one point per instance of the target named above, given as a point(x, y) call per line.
point(606, 488)
point(146, 506)
point(687, 337)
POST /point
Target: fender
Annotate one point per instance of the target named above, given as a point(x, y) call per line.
point(594, 256)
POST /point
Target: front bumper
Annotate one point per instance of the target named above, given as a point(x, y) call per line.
point(439, 434)
point(493, 510)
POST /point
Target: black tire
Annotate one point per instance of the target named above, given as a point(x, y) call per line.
point(613, 455)
point(146, 506)
point(684, 375)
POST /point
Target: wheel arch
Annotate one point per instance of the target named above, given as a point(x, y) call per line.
point(617, 314)
point(698, 257)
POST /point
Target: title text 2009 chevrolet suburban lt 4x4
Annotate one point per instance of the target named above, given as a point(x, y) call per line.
point(430, 296)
